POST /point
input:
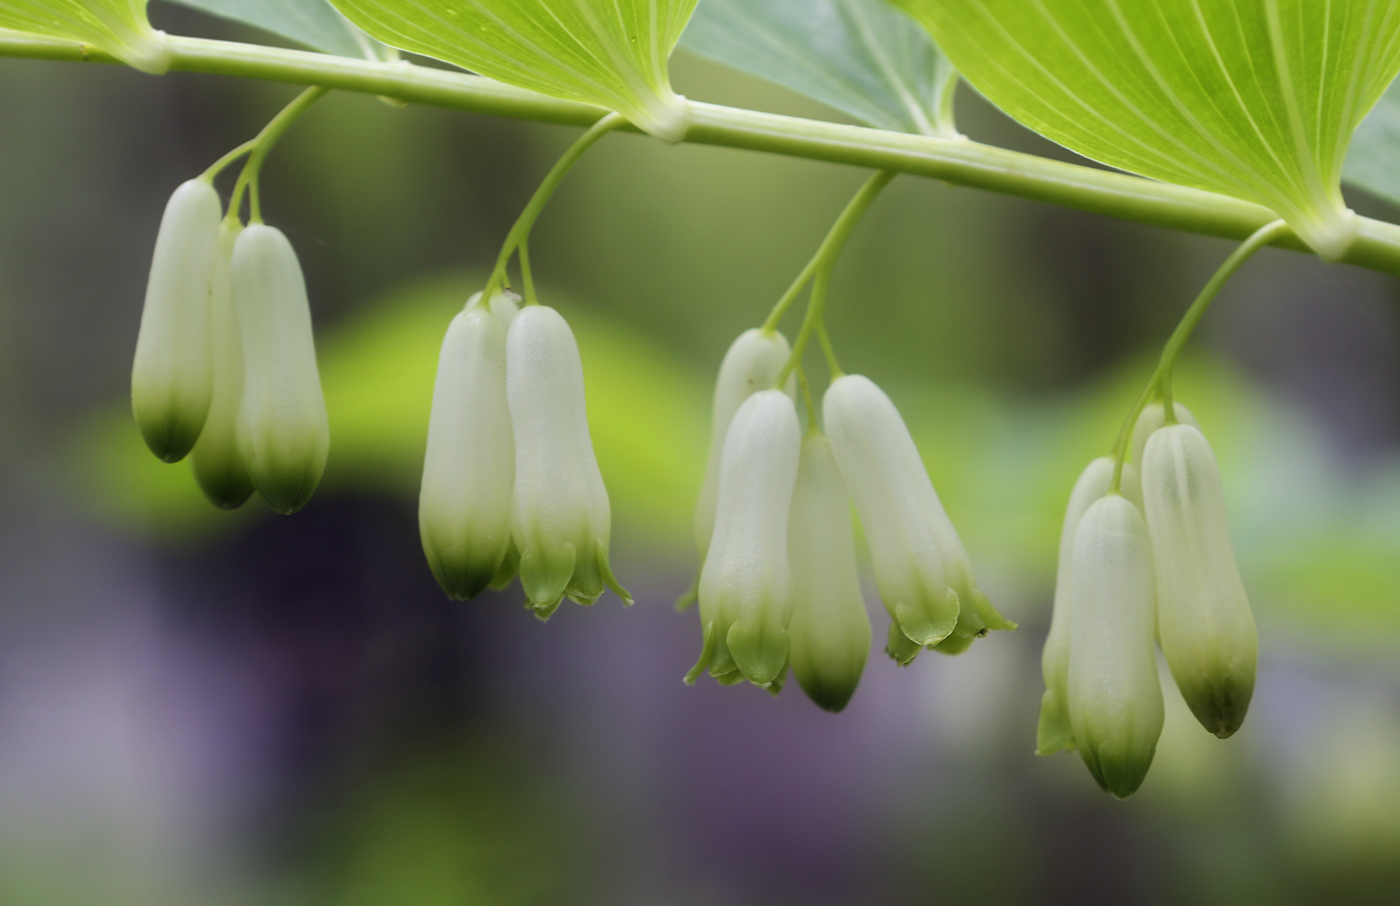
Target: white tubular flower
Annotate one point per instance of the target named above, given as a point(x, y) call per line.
point(1115, 697)
point(829, 632)
point(469, 468)
point(1054, 733)
point(746, 582)
point(560, 517)
point(1154, 416)
point(218, 466)
point(172, 379)
point(922, 571)
point(752, 363)
point(1203, 617)
point(283, 434)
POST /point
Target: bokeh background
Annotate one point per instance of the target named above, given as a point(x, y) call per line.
point(199, 707)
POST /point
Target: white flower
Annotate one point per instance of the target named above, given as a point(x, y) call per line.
point(752, 363)
point(746, 582)
point(1153, 416)
point(1115, 698)
point(1054, 733)
point(561, 519)
point(283, 434)
point(829, 632)
point(922, 571)
point(469, 467)
point(218, 466)
point(172, 379)
point(1207, 630)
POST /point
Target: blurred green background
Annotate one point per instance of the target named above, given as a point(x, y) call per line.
point(202, 707)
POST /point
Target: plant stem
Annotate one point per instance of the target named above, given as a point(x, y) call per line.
point(829, 351)
point(222, 163)
point(812, 425)
point(957, 161)
point(520, 233)
point(824, 262)
point(262, 144)
point(1160, 383)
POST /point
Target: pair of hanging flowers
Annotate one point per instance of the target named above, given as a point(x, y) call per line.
point(1145, 554)
point(510, 480)
point(225, 367)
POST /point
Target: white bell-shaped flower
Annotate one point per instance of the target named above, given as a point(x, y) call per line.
point(172, 378)
point(829, 633)
point(1115, 697)
point(561, 519)
point(219, 468)
point(1054, 733)
point(746, 581)
point(1154, 416)
point(752, 363)
point(469, 467)
point(921, 568)
point(283, 433)
point(1203, 617)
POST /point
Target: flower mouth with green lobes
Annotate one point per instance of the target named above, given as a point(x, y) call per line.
point(1255, 100)
point(613, 53)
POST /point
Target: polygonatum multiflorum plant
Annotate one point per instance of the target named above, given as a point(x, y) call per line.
point(1233, 118)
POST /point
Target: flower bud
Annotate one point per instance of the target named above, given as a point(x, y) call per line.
point(829, 632)
point(921, 569)
point(283, 434)
point(752, 363)
point(1203, 616)
point(560, 516)
point(1115, 698)
point(172, 379)
point(469, 467)
point(746, 581)
point(218, 466)
point(1054, 733)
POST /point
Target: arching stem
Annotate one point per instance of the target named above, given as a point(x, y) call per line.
point(822, 265)
point(520, 233)
point(262, 144)
point(1160, 383)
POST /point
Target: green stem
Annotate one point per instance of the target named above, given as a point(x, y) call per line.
point(520, 232)
point(1160, 383)
point(810, 402)
point(526, 275)
point(222, 163)
point(262, 144)
point(793, 291)
point(960, 161)
point(829, 351)
point(824, 262)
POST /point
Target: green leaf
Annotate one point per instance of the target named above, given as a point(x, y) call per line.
point(1252, 98)
point(1374, 161)
point(612, 53)
point(312, 23)
point(118, 27)
point(863, 57)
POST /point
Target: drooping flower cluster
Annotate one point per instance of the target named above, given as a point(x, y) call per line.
point(510, 480)
point(778, 582)
point(1151, 559)
point(225, 361)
